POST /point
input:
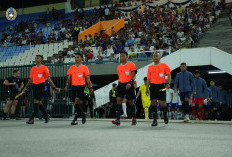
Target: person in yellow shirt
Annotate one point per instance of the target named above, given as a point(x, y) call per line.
point(145, 99)
point(180, 9)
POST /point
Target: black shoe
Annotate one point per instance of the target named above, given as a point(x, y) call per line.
point(12, 116)
point(166, 120)
point(4, 116)
point(83, 119)
point(46, 120)
point(30, 121)
point(154, 123)
point(74, 122)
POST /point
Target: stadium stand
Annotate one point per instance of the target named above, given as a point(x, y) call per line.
point(146, 30)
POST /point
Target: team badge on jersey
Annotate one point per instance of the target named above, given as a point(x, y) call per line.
point(127, 73)
point(11, 14)
point(80, 75)
point(161, 74)
point(39, 75)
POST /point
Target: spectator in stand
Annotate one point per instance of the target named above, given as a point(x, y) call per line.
point(107, 13)
point(181, 26)
point(109, 50)
point(112, 57)
point(130, 42)
point(53, 60)
point(64, 52)
point(104, 36)
point(120, 47)
point(91, 40)
point(60, 60)
point(96, 37)
point(54, 14)
point(70, 53)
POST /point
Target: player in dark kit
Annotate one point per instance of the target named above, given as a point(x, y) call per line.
point(156, 79)
point(126, 73)
point(15, 85)
point(77, 74)
point(185, 84)
point(38, 75)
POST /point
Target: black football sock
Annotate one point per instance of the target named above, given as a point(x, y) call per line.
point(118, 111)
point(154, 112)
point(42, 109)
point(76, 112)
point(133, 111)
point(34, 114)
point(165, 110)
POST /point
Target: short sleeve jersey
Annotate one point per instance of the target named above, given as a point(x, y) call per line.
point(125, 72)
point(169, 93)
point(157, 73)
point(78, 74)
point(18, 82)
point(39, 74)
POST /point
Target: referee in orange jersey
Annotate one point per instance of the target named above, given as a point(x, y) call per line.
point(156, 79)
point(126, 73)
point(38, 75)
point(77, 74)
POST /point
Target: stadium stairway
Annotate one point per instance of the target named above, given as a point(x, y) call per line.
point(220, 34)
point(209, 56)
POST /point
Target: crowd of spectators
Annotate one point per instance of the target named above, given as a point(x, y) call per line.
point(166, 28)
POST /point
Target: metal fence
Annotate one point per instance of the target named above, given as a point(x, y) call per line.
point(60, 105)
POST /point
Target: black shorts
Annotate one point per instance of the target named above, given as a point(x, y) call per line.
point(78, 92)
point(38, 91)
point(155, 92)
point(122, 92)
point(12, 95)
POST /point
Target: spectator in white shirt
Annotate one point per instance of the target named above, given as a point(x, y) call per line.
point(68, 35)
point(109, 51)
point(70, 53)
point(180, 33)
point(53, 60)
point(88, 48)
point(63, 29)
point(107, 13)
point(112, 56)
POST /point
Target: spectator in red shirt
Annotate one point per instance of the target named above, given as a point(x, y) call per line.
point(104, 36)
